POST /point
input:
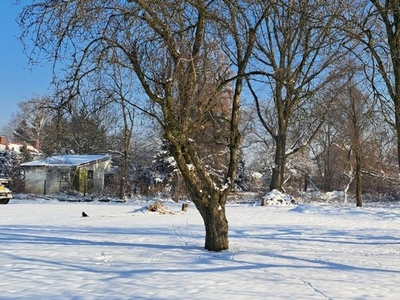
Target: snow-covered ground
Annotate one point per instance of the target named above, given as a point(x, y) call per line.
point(299, 251)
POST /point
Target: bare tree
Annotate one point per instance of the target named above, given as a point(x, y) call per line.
point(375, 27)
point(297, 56)
point(354, 124)
point(173, 49)
point(117, 89)
point(28, 125)
point(84, 130)
point(329, 153)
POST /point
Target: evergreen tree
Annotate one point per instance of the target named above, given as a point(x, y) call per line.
point(10, 168)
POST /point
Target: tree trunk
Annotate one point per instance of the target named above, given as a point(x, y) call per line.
point(216, 226)
point(358, 180)
point(397, 124)
point(394, 51)
point(122, 187)
point(280, 160)
point(124, 176)
point(305, 183)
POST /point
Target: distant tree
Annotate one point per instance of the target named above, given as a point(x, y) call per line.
point(164, 162)
point(83, 133)
point(327, 149)
point(348, 148)
point(7, 163)
point(10, 168)
point(29, 123)
point(128, 116)
point(241, 182)
point(25, 154)
point(375, 27)
point(354, 127)
point(141, 176)
point(83, 127)
point(116, 90)
point(298, 55)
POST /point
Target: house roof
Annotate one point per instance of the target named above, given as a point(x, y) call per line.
point(17, 148)
point(66, 160)
point(6, 146)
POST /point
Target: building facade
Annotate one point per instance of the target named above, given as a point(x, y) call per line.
point(81, 173)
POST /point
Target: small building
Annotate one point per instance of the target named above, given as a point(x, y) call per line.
point(82, 173)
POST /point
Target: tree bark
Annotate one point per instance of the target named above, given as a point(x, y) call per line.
point(278, 170)
point(358, 180)
point(397, 126)
point(216, 226)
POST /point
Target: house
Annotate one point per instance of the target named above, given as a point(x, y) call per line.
point(18, 147)
point(82, 173)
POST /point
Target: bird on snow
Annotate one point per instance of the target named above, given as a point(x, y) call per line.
point(84, 214)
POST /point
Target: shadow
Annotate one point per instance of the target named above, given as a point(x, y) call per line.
point(59, 236)
point(206, 264)
point(196, 259)
point(329, 236)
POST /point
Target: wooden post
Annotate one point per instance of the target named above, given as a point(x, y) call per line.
point(263, 201)
point(185, 207)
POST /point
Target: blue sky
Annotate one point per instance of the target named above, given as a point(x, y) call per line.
point(18, 81)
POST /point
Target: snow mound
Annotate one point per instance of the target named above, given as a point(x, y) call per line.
point(276, 197)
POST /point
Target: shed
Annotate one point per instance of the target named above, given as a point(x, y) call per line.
point(82, 173)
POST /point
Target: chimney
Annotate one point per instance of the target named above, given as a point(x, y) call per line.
point(3, 140)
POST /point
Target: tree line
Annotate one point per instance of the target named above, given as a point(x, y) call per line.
point(304, 90)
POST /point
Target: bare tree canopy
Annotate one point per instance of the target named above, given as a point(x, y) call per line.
point(190, 58)
point(298, 55)
point(374, 27)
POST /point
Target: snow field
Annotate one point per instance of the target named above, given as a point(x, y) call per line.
point(313, 251)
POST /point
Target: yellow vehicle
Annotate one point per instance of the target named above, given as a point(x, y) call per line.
point(5, 193)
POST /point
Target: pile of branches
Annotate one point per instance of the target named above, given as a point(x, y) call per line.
point(159, 207)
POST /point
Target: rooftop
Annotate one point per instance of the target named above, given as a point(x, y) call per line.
point(66, 160)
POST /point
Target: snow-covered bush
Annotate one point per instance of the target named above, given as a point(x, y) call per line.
point(276, 197)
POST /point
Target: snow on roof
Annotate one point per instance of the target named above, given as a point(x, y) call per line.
point(17, 148)
point(65, 160)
